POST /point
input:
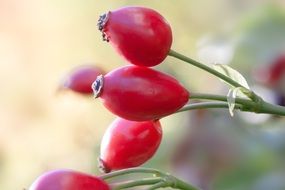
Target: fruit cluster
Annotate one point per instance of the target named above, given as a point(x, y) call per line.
point(140, 96)
point(137, 94)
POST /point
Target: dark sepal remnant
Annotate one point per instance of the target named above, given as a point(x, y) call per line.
point(103, 167)
point(97, 86)
point(103, 19)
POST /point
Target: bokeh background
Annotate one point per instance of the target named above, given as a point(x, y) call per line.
point(43, 129)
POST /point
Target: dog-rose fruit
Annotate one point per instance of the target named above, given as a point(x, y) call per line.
point(141, 35)
point(81, 78)
point(64, 179)
point(140, 93)
point(128, 144)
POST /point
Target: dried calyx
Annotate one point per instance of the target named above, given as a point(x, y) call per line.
point(97, 86)
point(103, 19)
point(102, 166)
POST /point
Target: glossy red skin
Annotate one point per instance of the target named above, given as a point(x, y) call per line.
point(128, 144)
point(141, 35)
point(142, 94)
point(81, 79)
point(68, 180)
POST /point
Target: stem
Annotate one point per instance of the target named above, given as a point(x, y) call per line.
point(243, 101)
point(257, 105)
point(164, 179)
point(130, 171)
point(179, 184)
point(204, 67)
point(134, 183)
point(246, 105)
point(205, 105)
point(272, 109)
point(208, 97)
point(156, 186)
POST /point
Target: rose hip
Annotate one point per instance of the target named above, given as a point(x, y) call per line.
point(128, 144)
point(140, 93)
point(141, 35)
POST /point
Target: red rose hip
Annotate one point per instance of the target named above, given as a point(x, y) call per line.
point(128, 144)
point(68, 180)
point(275, 71)
point(140, 93)
point(141, 35)
point(81, 78)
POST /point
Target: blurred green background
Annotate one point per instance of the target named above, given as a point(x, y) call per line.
point(41, 129)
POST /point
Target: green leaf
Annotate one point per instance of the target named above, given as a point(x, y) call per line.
point(233, 94)
point(231, 73)
point(231, 97)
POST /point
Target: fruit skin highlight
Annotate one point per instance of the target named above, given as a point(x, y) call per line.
point(141, 35)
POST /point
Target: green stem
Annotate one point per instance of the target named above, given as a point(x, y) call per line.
point(204, 67)
point(179, 184)
point(134, 183)
point(208, 97)
point(130, 171)
point(156, 186)
point(172, 181)
point(165, 178)
point(257, 105)
point(247, 105)
point(223, 77)
point(268, 108)
point(166, 181)
point(206, 105)
point(243, 101)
